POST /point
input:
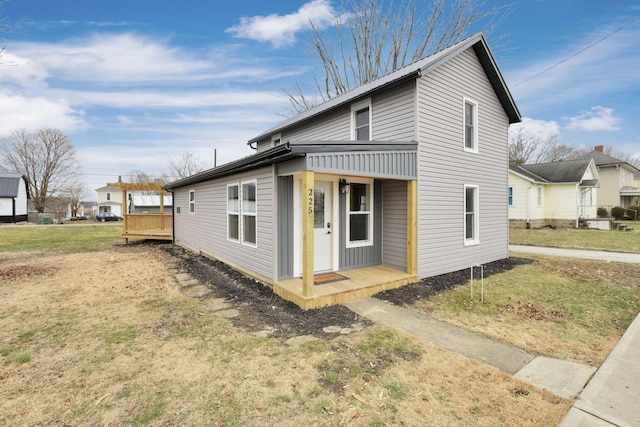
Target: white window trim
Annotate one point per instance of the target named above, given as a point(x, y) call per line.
point(363, 243)
point(354, 109)
point(539, 196)
point(466, 101)
point(192, 202)
point(476, 210)
point(511, 195)
point(235, 184)
point(243, 213)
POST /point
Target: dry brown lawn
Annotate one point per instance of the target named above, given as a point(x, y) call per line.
point(107, 338)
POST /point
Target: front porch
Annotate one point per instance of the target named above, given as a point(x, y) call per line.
point(355, 284)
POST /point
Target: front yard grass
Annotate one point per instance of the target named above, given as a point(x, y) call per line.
point(616, 241)
point(62, 238)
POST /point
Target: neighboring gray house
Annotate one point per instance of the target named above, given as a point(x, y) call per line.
point(402, 178)
point(619, 187)
point(14, 196)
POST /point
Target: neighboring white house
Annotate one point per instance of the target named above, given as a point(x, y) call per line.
point(558, 193)
point(109, 200)
point(148, 203)
point(401, 178)
point(14, 196)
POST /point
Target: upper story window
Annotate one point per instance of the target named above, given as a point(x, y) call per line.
point(470, 125)
point(361, 121)
point(276, 140)
point(108, 196)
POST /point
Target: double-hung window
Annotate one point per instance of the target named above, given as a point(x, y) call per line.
point(471, 206)
point(360, 215)
point(361, 121)
point(510, 196)
point(192, 201)
point(470, 125)
point(242, 212)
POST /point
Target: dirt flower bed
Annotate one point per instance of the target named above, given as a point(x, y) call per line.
point(261, 308)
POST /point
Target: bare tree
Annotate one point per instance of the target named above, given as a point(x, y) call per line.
point(185, 166)
point(374, 38)
point(46, 158)
point(76, 194)
point(526, 147)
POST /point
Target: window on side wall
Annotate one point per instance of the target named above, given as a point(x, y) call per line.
point(471, 221)
point(108, 196)
point(233, 212)
point(539, 196)
point(361, 121)
point(359, 215)
point(510, 197)
point(249, 213)
point(192, 201)
point(470, 125)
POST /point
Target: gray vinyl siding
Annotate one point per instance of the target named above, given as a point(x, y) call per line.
point(394, 224)
point(285, 227)
point(394, 114)
point(334, 126)
point(367, 255)
point(206, 229)
point(444, 168)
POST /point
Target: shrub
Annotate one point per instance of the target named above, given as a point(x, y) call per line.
point(617, 212)
point(603, 213)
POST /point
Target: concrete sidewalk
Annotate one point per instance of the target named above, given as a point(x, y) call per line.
point(578, 253)
point(566, 379)
point(612, 397)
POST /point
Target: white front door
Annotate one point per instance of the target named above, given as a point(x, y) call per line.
point(323, 226)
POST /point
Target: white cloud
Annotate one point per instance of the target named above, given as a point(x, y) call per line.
point(596, 119)
point(542, 128)
point(17, 112)
point(281, 30)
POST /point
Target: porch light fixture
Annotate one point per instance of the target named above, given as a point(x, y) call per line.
point(344, 186)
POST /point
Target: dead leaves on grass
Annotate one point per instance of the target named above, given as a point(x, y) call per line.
point(19, 272)
point(533, 312)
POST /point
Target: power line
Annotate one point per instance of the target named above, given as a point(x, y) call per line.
point(578, 52)
point(552, 38)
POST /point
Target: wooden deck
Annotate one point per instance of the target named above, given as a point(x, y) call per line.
point(357, 283)
point(158, 226)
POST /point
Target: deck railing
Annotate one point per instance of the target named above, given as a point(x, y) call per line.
point(151, 225)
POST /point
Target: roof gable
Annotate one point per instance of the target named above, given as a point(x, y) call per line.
point(602, 159)
point(10, 184)
point(413, 71)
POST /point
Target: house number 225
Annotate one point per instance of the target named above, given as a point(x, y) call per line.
point(310, 202)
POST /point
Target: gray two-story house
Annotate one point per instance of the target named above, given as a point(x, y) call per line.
point(400, 179)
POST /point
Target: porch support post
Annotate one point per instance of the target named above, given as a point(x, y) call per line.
point(412, 227)
point(125, 219)
point(307, 200)
point(162, 202)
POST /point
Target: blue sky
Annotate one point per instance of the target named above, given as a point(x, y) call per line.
point(138, 83)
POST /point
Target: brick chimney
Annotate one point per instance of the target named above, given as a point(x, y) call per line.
point(599, 148)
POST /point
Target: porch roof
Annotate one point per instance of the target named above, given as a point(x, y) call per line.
point(630, 191)
point(295, 150)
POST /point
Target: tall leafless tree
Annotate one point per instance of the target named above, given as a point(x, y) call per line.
point(527, 147)
point(46, 158)
point(185, 166)
point(374, 37)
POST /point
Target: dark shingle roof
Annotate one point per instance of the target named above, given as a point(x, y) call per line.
point(563, 171)
point(602, 159)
